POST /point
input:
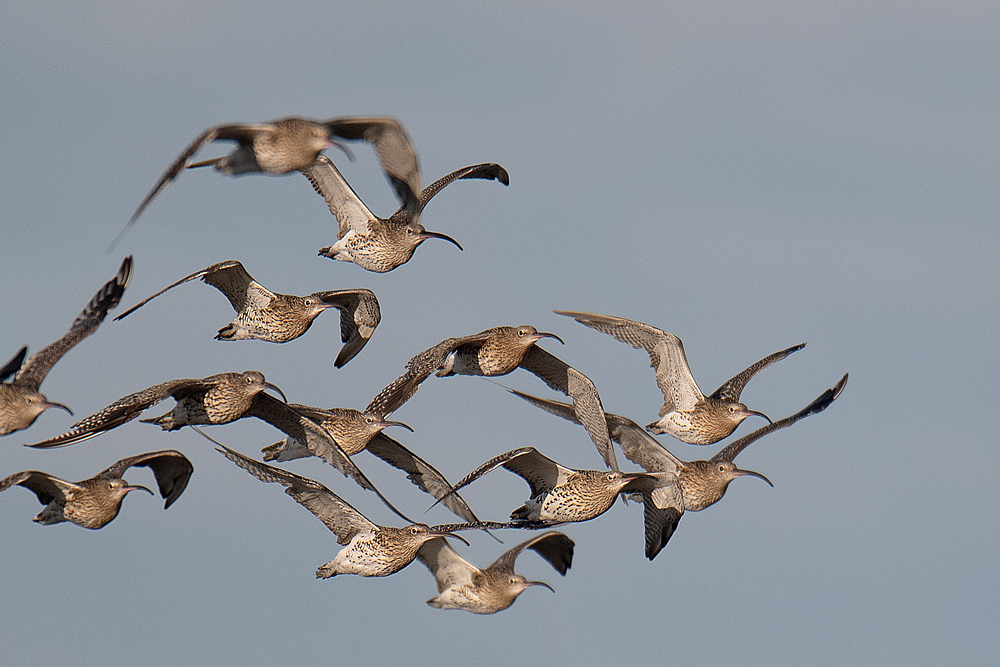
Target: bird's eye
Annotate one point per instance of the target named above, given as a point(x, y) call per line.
point(611, 476)
point(722, 467)
point(111, 485)
point(369, 420)
point(309, 302)
point(414, 530)
point(409, 230)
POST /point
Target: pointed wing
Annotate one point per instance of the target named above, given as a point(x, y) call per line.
point(316, 438)
point(553, 546)
point(539, 471)
point(228, 277)
point(449, 569)
point(235, 131)
point(343, 202)
point(488, 171)
point(124, 410)
point(14, 364)
point(394, 150)
point(359, 315)
point(417, 370)
point(45, 486)
point(586, 401)
point(660, 522)
point(338, 515)
point(421, 473)
point(730, 451)
point(171, 468)
point(37, 367)
point(666, 355)
point(638, 446)
point(731, 390)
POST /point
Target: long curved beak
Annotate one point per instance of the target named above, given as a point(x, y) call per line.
point(751, 413)
point(540, 583)
point(268, 385)
point(445, 533)
point(50, 404)
point(136, 487)
point(424, 235)
point(385, 423)
point(739, 472)
point(541, 334)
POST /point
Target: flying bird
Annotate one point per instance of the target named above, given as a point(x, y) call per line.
point(278, 318)
point(462, 585)
point(499, 351)
point(20, 400)
point(95, 502)
point(559, 494)
point(356, 431)
point(682, 485)
point(369, 550)
point(687, 414)
point(275, 147)
point(382, 244)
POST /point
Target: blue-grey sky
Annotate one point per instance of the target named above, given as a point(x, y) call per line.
point(747, 176)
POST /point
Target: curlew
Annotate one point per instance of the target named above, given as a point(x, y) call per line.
point(499, 351)
point(382, 244)
point(687, 414)
point(93, 503)
point(278, 318)
point(682, 485)
point(20, 401)
point(462, 585)
point(369, 550)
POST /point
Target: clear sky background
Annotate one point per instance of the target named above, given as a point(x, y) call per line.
point(747, 176)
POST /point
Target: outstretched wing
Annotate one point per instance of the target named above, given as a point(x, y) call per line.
point(732, 388)
point(228, 277)
point(666, 356)
point(417, 370)
point(488, 171)
point(359, 315)
point(316, 438)
point(171, 468)
point(343, 202)
point(338, 515)
point(586, 401)
point(393, 148)
point(37, 367)
point(47, 487)
point(238, 132)
point(730, 451)
point(449, 569)
point(638, 446)
point(553, 546)
point(421, 473)
point(124, 410)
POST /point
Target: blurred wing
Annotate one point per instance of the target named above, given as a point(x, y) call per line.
point(123, 410)
point(449, 569)
point(394, 150)
point(421, 473)
point(316, 438)
point(171, 468)
point(344, 203)
point(359, 315)
point(36, 368)
point(338, 515)
point(417, 370)
point(666, 355)
point(586, 401)
point(731, 390)
point(553, 546)
point(730, 451)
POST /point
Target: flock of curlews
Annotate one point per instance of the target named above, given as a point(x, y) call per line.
point(666, 486)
